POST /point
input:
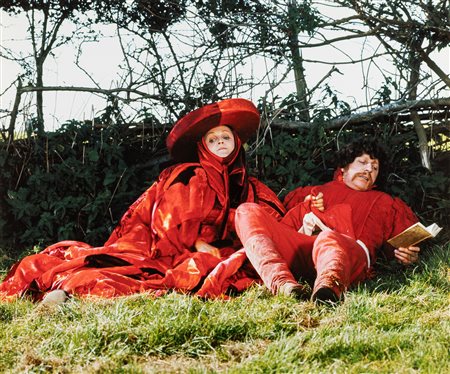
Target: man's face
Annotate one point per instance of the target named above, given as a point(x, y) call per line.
point(362, 173)
point(220, 141)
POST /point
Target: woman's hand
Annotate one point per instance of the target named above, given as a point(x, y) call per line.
point(316, 201)
point(202, 246)
point(407, 256)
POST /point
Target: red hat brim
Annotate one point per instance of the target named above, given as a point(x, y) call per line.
point(239, 114)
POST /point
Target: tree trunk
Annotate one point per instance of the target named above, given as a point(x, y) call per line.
point(297, 63)
point(39, 97)
point(15, 111)
point(414, 80)
point(424, 150)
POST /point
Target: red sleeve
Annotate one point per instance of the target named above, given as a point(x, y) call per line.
point(294, 217)
point(166, 217)
point(180, 211)
point(403, 217)
point(400, 219)
point(296, 196)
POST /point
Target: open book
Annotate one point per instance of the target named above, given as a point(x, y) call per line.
point(414, 234)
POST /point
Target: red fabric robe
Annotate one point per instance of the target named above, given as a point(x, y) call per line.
point(152, 248)
point(333, 258)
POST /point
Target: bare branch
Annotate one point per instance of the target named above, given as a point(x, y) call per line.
point(107, 92)
point(360, 118)
point(432, 65)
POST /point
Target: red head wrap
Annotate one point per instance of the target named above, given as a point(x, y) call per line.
point(227, 176)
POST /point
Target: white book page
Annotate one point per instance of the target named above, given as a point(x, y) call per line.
point(434, 229)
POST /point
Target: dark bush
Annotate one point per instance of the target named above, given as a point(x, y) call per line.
point(76, 183)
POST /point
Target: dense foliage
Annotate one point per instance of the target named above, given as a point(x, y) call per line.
point(72, 184)
point(76, 183)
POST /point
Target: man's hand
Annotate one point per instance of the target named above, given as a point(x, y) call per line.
point(316, 201)
point(407, 256)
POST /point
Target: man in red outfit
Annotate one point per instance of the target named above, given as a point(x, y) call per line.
point(355, 220)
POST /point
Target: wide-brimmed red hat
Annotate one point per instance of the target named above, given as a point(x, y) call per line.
point(239, 114)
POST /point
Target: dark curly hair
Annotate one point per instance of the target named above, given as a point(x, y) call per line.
point(373, 148)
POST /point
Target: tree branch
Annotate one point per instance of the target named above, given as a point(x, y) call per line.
point(433, 66)
point(107, 92)
point(371, 115)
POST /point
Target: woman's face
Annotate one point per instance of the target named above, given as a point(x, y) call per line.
point(362, 173)
point(220, 141)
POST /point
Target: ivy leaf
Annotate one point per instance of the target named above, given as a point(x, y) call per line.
point(109, 178)
point(93, 155)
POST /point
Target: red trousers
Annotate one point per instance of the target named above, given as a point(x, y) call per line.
point(279, 253)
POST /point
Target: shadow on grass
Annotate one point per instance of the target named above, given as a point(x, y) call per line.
point(391, 276)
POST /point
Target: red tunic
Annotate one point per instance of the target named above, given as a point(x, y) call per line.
point(152, 248)
point(374, 216)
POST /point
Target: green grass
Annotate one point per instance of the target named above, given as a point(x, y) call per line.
point(398, 323)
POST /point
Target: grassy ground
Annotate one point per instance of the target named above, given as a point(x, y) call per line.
point(399, 323)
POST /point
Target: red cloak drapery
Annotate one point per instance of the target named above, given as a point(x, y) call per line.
point(152, 248)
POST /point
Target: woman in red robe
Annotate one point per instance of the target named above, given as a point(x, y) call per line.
point(355, 220)
point(179, 234)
